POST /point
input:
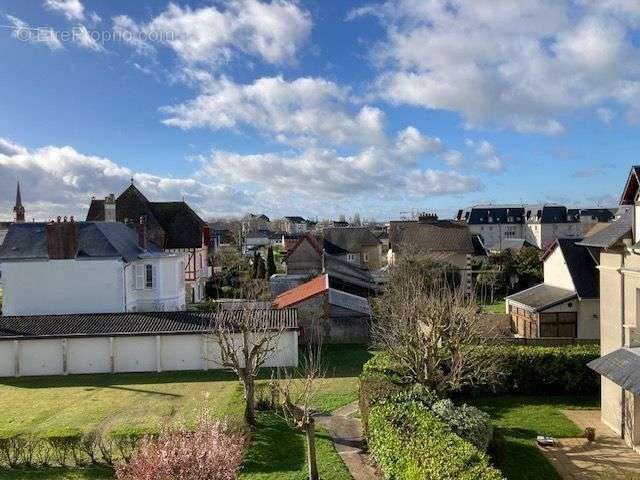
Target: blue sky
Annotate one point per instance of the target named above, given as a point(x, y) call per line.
point(318, 108)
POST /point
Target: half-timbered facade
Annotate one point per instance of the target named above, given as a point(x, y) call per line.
point(174, 226)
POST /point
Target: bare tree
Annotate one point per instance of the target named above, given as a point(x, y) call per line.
point(246, 338)
point(296, 391)
point(432, 329)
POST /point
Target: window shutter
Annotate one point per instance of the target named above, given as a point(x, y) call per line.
point(139, 281)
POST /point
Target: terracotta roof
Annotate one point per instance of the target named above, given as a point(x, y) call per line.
point(317, 286)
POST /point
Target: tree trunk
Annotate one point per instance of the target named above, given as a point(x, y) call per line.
point(310, 429)
point(249, 398)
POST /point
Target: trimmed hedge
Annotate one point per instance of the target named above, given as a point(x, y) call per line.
point(409, 442)
point(526, 370)
point(535, 370)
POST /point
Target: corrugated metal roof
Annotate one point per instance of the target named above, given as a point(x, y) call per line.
point(137, 323)
point(349, 301)
point(621, 366)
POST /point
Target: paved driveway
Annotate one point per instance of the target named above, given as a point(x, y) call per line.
point(605, 458)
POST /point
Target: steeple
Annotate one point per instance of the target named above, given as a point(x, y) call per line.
point(18, 209)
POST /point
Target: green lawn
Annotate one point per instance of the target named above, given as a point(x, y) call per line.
point(47, 406)
point(498, 306)
point(521, 420)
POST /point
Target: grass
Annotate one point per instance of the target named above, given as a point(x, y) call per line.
point(498, 306)
point(521, 420)
point(279, 453)
point(48, 406)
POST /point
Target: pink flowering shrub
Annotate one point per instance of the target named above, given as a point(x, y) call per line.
point(212, 451)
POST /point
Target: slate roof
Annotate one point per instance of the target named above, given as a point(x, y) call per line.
point(438, 236)
point(622, 367)
point(349, 301)
point(610, 235)
point(581, 266)
point(542, 296)
point(631, 187)
point(351, 239)
point(348, 272)
point(93, 239)
point(181, 226)
point(296, 219)
point(134, 323)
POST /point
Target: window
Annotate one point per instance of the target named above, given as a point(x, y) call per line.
point(351, 257)
point(563, 324)
point(365, 256)
point(148, 276)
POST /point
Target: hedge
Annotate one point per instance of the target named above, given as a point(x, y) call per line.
point(526, 370)
point(535, 370)
point(409, 442)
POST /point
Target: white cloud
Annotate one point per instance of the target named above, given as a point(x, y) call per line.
point(84, 39)
point(522, 65)
point(273, 31)
point(453, 158)
point(311, 109)
point(44, 35)
point(606, 115)
point(411, 142)
point(61, 180)
point(72, 9)
point(431, 183)
point(489, 159)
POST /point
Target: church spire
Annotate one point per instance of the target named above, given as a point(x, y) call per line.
point(18, 209)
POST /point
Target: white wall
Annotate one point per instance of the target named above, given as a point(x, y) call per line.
point(182, 352)
point(168, 291)
point(556, 271)
point(89, 355)
point(40, 357)
point(134, 354)
point(130, 354)
point(589, 319)
point(62, 286)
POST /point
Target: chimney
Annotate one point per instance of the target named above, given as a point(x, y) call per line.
point(110, 208)
point(61, 239)
point(206, 236)
point(425, 217)
point(141, 227)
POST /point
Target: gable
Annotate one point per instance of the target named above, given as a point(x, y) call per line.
point(556, 271)
point(630, 191)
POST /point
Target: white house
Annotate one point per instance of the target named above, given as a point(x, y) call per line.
point(69, 267)
point(172, 226)
point(567, 303)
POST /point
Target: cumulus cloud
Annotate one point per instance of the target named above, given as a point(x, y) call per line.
point(489, 159)
point(453, 158)
point(431, 183)
point(605, 115)
point(72, 9)
point(273, 31)
point(61, 180)
point(309, 108)
point(411, 142)
point(519, 65)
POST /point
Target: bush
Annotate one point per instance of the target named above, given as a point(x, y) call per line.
point(467, 422)
point(211, 452)
point(409, 442)
point(526, 370)
point(373, 388)
point(536, 370)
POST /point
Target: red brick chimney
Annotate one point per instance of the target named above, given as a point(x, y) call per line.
point(141, 227)
point(61, 239)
